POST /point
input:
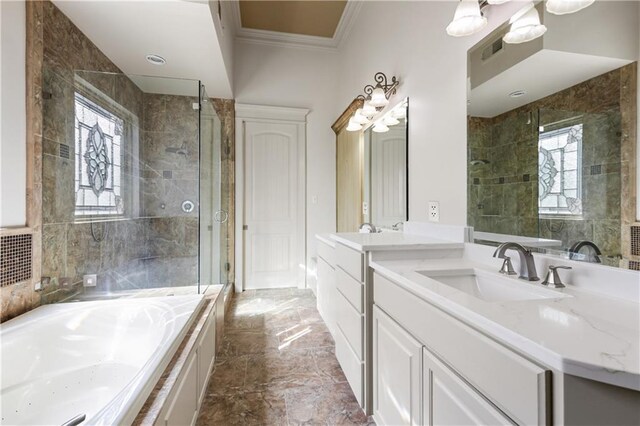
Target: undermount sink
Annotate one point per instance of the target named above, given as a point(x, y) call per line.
point(491, 287)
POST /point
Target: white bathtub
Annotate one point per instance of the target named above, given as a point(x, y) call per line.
point(98, 358)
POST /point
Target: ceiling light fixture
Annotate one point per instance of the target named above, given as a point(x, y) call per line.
point(156, 59)
point(467, 19)
point(564, 7)
point(525, 26)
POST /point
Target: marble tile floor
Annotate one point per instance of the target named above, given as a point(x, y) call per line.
point(277, 366)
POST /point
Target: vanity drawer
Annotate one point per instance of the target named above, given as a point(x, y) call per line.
point(516, 385)
point(350, 260)
point(350, 322)
point(350, 288)
point(326, 252)
point(352, 367)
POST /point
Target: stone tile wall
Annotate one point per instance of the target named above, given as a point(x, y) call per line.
point(503, 194)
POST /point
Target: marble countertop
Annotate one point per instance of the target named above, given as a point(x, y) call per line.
point(585, 334)
point(392, 241)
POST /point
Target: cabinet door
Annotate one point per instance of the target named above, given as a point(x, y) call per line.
point(326, 289)
point(397, 362)
point(184, 407)
point(449, 400)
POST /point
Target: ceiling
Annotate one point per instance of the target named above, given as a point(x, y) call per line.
point(541, 74)
point(312, 18)
point(182, 32)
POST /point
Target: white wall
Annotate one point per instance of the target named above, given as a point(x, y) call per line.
point(12, 114)
point(293, 77)
point(408, 39)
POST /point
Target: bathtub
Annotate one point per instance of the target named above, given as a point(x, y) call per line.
point(101, 359)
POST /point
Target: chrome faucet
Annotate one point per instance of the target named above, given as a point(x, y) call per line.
point(575, 249)
point(527, 263)
point(370, 226)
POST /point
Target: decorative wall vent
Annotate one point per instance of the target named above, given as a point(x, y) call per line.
point(635, 240)
point(634, 265)
point(63, 151)
point(15, 258)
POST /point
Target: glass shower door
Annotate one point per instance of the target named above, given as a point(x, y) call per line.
point(213, 219)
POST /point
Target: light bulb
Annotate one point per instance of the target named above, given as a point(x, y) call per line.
point(369, 110)
point(353, 126)
point(378, 98)
point(496, 2)
point(563, 7)
point(467, 19)
point(359, 118)
point(525, 26)
point(380, 127)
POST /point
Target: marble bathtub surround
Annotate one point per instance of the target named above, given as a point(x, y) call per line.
point(277, 366)
point(503, 192)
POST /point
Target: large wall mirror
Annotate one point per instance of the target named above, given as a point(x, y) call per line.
point(372, 172)
point(552, 136)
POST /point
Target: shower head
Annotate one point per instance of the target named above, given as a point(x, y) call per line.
point(479, 162)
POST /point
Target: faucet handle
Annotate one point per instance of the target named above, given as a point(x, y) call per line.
point(553, 277)
point(507, 267)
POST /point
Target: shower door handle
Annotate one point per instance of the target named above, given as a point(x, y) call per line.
point(221, 216)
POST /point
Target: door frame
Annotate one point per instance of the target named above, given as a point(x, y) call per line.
point(268, 114)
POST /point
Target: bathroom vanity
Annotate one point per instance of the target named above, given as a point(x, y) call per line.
point(345, 298)
point(430, 333)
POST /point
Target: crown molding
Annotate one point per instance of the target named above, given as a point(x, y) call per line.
point(280, 39)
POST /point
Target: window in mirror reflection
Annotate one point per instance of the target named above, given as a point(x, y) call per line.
point(559, 170)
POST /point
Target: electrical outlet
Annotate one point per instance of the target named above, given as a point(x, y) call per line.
point(434, 211)
point(90, 280)
point(365, 208)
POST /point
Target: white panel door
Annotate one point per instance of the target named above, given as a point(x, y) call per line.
point(274, 240)
point(450, 401)
point(397, 363)
point(389, 176)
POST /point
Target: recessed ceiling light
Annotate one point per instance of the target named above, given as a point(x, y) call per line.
point(156, 59)
point(517, 93)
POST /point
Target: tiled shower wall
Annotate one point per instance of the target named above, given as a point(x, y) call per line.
point(503, 193)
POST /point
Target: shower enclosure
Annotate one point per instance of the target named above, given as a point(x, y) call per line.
point(132, 187)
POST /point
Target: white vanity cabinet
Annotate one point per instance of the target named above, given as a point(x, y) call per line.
point(397, 362)
point(326, 284)
point(472, 380)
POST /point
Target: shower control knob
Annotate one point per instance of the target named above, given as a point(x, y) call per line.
point(187, 206)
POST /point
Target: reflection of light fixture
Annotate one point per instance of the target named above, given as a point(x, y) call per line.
point(525, 26)
point(353, 126)
point(156, 59)
point(368, 110)
point(400, 112)
point(467, 19)
point(380, 127)
point(517, 93)
point(563, 7)
point(359, 118)
point(390, 120)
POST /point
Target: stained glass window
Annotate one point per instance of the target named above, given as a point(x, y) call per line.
point(98, 159)
point(560, 171)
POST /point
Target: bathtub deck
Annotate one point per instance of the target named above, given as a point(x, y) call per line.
point(277, 366)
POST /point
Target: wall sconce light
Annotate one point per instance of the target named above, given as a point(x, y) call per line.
point(467, 19)
point(525, 26)
point(378, 96)
point(375, 99)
